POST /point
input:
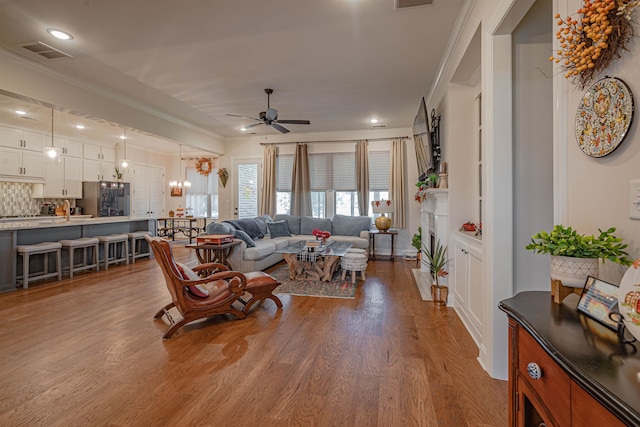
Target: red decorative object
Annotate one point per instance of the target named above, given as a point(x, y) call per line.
point(468, 226)
point(321, 234)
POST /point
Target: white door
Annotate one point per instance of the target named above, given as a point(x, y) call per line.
point(148, 190)
point(247, 187)
point(156, 192)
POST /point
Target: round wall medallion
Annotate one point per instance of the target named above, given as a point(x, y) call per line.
point(604, 116)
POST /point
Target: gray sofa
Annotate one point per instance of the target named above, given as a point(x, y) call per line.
point(260, 237)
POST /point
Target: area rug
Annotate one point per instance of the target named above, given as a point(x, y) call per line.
point(336, 288)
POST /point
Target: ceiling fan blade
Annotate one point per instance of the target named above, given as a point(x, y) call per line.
point(244, 117)
point(252, 126)
point(280, 128)
point(295, 122)
point(272, 114)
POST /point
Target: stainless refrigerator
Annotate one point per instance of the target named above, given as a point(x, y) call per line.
point(105, 198)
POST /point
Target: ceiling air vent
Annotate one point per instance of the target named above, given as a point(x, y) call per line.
point(402, 4)
point(378, 126)
point(44, 50)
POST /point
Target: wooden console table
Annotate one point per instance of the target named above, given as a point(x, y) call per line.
point(209, 252)
point(587, 376)
point(372, 241)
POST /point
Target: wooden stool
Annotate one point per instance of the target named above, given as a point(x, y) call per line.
point(44, 248)
point(136, 238)
point(111, 244)
point(83, 243)
point(354, 260)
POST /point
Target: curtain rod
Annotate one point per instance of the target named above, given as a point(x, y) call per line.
point(338, 140)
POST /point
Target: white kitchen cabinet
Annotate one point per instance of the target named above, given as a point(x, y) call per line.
point(469, 286)
point(21, 163)
point(22, 139)
point(63, 178)
point(68, 147)
point(95, 170)
point(99, 153)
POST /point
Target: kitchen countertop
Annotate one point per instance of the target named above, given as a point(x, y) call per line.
point(59, 221)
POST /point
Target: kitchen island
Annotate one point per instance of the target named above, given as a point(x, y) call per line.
point(31, 230)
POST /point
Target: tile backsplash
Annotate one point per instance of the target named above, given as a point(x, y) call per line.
point(16, 199)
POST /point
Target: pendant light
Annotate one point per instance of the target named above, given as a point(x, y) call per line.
point(180, 183)
point(52, 153)
point(124, 163)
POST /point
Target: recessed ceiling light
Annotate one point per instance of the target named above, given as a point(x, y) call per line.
point(123, 137)
point(79, 126)
point(243, 129)
point(20, 112)
point(374, 120)
point(59, 34)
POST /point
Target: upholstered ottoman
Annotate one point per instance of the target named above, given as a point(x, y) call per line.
point(355, 260)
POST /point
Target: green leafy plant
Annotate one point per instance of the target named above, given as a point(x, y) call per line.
point(433, 179)
point(565, 241)
point(436, 261)
point(118, 174)
point(416, 240)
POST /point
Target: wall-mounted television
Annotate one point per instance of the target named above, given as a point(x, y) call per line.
point(427, 141)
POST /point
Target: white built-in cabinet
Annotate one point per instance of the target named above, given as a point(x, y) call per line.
point(147, 191)
point(21, 154)
point(469, 287)
point(63, 178)
point(99, 163)
point(68, 148)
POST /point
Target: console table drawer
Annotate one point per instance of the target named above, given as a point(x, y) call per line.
point(554, 386)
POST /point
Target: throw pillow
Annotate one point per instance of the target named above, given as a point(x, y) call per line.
point(245, 238)
point(344, 225)
point(189, 274)
point(293, 221)
point(220, 228)
point(278, 229)
point(262, 223)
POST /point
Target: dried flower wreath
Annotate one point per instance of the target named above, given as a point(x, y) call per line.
point(599, 35)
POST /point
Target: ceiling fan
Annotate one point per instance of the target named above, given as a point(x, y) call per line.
point(270, 117)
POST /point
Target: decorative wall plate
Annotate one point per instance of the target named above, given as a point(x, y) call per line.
point(629, 300)
point(604, 116)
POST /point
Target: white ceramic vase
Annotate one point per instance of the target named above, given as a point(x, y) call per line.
point(573, 272)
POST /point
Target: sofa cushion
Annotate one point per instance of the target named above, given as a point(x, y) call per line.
point(220, 228)
point(308, 224)
point(280, 242)
point(189, 274)
point(293, 221)
point(239, 234)
point(358, 242)
point(343, 225)
point(261, 249)
point(278, 229)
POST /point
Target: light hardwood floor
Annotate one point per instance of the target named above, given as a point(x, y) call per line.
point(86, 352)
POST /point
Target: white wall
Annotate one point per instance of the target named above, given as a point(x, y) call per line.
point(598, 187)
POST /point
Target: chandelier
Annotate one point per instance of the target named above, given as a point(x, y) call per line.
point(180, 183)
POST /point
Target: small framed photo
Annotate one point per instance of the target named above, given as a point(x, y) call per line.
point(176, 191)
point(599, 300)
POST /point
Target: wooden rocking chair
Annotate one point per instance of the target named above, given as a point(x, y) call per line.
point(228, 287)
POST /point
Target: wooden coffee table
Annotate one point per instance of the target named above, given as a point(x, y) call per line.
point(313, 265)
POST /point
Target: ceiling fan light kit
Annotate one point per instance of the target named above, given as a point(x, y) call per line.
point(270, 118)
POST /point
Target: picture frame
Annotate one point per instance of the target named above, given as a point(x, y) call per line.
point(599, 301)
point(176, 191)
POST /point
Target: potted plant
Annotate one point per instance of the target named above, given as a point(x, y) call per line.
point(436, 262)
point(416, 242)
point(575, 256)
point(433, 180)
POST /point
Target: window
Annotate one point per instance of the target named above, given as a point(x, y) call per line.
point(333, 173)
point(202, 196)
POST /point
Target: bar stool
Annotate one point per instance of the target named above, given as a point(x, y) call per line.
point(118, 244)
point(136, 239)
point(44, 248)
point(83, 243)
